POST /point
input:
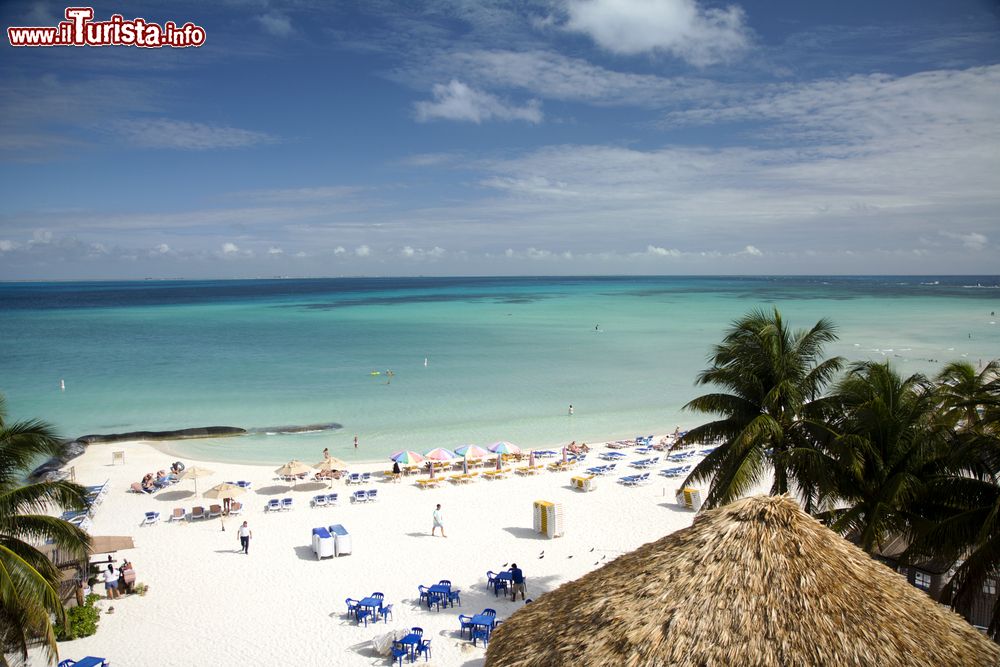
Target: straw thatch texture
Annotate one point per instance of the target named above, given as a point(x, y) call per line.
point(757, 582)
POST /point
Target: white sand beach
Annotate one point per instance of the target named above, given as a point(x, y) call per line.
point(210, 604)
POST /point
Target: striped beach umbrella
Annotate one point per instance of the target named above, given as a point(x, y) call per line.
point(408, 458)
point(504, 447)
point(440, 454)
point(471, 451)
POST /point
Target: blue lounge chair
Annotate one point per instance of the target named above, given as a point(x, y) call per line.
point(243, 484)
point(273, 505)
point(611, 456)
point(373, 495)
point(366, 477)
point(151, 518)
point(319, 501)
point(286, 503)
point(331, 499)
point(353, 478)
point(359, 497)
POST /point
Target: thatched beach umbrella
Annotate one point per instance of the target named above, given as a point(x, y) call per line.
point(329, 464)
point(195, 473)
point(757, 582)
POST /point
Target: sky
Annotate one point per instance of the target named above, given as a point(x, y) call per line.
point(457, 137)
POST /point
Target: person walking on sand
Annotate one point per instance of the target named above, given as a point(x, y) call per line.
point(111, 582)
point(516, 582)
point(326, 453)
point(438, 522)
point(245, 534)
point(355, 442)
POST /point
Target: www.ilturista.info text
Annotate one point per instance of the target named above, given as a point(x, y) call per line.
point(79, 29)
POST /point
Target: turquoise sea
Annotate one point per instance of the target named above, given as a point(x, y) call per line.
point(505, 356)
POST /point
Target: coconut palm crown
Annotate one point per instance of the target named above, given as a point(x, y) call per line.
point(28, 579)
point(768, 376)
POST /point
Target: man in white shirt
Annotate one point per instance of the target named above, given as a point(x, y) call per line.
point(245, 535)
point(438, 522)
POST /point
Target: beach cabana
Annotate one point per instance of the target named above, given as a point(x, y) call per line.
point(755, 583)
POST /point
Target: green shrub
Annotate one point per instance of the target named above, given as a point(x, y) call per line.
point(80, 621)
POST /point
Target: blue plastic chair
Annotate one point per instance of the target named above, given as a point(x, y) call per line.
point(378, 596)
point(363, 615)
point(425, 594)
point(455, 596)
point(425, 648)
point(480, 633)
point(399, 652)
point(466, 622)
point(352, 606)
point(386, 612)
point(489, 612)
point(417, 631)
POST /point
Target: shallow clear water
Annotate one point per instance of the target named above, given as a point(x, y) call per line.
point(505, 356)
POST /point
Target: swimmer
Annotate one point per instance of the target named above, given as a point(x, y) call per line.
point(571, 410)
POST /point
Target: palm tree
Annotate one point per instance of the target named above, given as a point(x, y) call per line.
point(960, 514)
point(967, 395)
point(889, 445)
point(28, 579)
point(769, 377)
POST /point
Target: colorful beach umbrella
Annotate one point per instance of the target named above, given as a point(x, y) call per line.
point(471, 451)
point(440, 454)
point(408, 458)
point(504, 447)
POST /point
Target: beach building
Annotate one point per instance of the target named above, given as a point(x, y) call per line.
point(931, 575)
point(757, 582)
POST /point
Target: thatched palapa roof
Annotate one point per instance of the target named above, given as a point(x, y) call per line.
point(758, 582)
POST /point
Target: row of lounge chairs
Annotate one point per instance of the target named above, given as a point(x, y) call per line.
point(358, 478)
point(635, 480)
point(360, 496)
point(602, 470)
point(678, 471)
point(275, 505)
point(198, 512)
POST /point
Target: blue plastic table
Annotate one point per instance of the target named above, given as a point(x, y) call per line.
point(440, 590)
point(370, 603)
point(411, 641)
point(89, 661)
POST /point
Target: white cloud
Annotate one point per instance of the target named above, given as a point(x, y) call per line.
point(275, 251)
point(176, 134)
point(972, 240)
point(230, 249)
point(662, 252)
point(362, 251)
point(7, 246)
point(339, 250)
point(682, 28)
point(162, 249)
point(419, 253)
point(752, 251)
point(457, 101)
point(275, 24)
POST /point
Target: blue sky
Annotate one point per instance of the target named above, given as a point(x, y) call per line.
point(446, 137)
